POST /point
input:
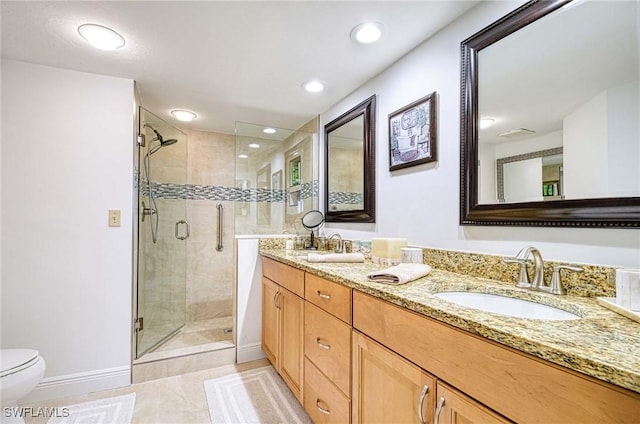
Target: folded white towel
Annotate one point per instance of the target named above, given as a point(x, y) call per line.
point(400, 274)
point(336, 257)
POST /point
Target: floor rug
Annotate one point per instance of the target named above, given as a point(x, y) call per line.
point(254, 396)
point(114, 410)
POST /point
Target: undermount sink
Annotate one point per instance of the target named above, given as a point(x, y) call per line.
point(509, 306)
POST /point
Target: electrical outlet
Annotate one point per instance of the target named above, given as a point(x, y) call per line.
point(114, 217)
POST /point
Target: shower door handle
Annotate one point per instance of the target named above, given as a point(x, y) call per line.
point(178, 236)
point(219, 247)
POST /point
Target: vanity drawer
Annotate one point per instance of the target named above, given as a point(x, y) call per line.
point(322, 400)
point(327, 343)
point(288, 277)
point(330, 296)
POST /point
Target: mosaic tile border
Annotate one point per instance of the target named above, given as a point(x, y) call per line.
point(346, 197)
point(222, 193)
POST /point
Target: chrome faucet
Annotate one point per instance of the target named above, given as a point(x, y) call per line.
point(339, 244)
point(537, 282)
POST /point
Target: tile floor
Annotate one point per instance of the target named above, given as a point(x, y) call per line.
point(173, 400)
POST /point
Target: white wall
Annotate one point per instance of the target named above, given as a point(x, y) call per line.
point(585, 154)
point(422, 203)
point(249, 299)
point(66, 276)
point(523, 180)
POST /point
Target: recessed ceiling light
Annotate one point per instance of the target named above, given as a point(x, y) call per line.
point(486, 122)
point(368, 32)
point(243, 156)
point(269, 131)
point(183, 115)
point(313, 86)
point(101, 37)
point(254, 145)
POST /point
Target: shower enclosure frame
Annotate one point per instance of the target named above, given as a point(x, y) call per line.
point(149, 307)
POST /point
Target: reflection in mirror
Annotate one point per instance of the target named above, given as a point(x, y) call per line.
point(350, 165)
point(550, 116)
point(346, 156)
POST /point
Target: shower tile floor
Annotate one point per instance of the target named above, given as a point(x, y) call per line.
point(194, 337)
point(200, 333)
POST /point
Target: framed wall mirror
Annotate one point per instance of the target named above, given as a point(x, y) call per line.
point(350, 165)
point(553, 76)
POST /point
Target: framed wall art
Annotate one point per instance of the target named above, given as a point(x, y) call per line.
point(413, 133)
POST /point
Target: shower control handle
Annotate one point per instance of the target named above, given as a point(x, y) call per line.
point(177, 232)
point(147, 211)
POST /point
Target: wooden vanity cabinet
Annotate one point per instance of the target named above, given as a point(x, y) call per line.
point(283, 322)
point(516, 385)
point(387, 388)
point(454, 407)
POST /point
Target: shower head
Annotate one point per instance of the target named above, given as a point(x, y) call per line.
point(159, 137)
point(168, 142)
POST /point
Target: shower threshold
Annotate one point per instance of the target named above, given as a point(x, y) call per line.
point(198, 345)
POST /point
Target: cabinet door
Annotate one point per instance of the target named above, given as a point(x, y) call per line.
point(270, 321)
point(387, 388)
point(457, 408)
point(291, 340)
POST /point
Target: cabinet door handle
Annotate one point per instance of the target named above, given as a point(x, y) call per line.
point(321, 409)
point(322, 345)
point(436, 417)
point(423, 394)
point(324, 296)
point(276, 298)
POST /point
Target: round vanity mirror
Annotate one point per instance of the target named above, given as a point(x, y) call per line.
point(312, 221)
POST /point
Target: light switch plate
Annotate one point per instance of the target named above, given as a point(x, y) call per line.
point(114, 217)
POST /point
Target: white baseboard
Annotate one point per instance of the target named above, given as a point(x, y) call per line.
point(249, 352)
point(78, 384)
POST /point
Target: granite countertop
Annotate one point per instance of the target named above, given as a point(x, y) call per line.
point(601, 344)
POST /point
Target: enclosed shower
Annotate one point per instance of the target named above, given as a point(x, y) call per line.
point(184, 290)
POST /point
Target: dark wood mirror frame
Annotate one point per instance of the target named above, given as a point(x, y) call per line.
point(368, 110)
point(620, 212)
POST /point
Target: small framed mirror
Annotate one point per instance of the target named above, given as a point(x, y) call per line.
point(350, 165)
point(312, 221)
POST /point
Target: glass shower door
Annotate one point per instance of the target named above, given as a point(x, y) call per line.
point(162, 232)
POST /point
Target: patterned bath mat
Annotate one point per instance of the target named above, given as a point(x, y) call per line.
point(113, 410)
point(254, 396)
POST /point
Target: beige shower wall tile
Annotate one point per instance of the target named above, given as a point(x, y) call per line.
point(211, 158)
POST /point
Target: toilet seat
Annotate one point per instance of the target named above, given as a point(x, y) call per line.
point(15, 360)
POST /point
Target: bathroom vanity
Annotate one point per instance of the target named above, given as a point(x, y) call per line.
point(358, 351)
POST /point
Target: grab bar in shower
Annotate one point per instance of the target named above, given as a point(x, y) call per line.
point(220, 246)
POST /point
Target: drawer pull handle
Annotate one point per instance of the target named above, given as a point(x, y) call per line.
point(436, 418)
point(322, 345)
point(324, 296)
point(423, 394)
point(321, 409)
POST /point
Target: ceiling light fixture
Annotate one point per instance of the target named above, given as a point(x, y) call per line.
point(313, 86)
point(486, 122)
point(183, 115)
point(101, 37)
point(243, 156)
point(366, 33)
point(254, 145)
point(269, 131)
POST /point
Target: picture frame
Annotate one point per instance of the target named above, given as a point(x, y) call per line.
point(413, 133)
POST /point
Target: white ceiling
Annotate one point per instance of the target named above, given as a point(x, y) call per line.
point(227, 60)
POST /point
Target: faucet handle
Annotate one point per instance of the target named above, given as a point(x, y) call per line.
point(523, 279)
point(555, 287)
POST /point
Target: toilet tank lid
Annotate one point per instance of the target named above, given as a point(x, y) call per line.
point(14, 358)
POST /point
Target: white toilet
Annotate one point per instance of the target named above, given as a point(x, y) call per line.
point(20, 371)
